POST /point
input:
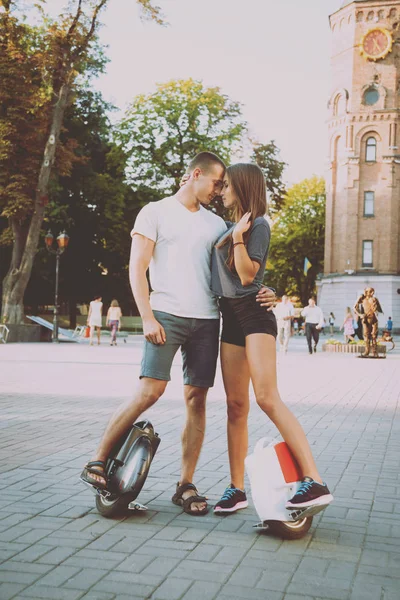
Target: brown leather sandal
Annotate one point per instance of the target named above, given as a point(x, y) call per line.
point(89, 471)
point(186, 504)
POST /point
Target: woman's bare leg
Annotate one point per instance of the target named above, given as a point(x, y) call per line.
point(261, 356)
point(236, 377)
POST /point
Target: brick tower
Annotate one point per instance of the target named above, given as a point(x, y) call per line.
point(362, 245)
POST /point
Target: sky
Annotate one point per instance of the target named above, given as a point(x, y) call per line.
point(272, 56)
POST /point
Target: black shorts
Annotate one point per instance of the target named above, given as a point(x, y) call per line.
point(243, 316)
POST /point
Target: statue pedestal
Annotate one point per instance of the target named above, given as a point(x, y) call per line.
point(352, 349)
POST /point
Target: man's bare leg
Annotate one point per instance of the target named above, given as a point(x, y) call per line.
point(193, 436)
point(147, 394)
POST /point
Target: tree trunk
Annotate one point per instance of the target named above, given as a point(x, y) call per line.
point(12, 308)
point(72, 312)
point(24, 250)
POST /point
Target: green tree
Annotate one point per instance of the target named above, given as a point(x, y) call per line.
point(97, 207)
point(94, 203)
point(41, 66)
point(298, 231)
point(266, 156)
point(162, 131)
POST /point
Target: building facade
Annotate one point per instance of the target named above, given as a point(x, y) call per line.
point(362, 245)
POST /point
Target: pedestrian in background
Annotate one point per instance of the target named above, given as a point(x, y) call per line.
point(113, 321)
point(331, 323)
point(94, 318)
point(389, 325)
point(348, 326)
point(284, 313)
point(314, 321)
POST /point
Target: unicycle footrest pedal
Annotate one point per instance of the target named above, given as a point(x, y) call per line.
point(137, 506)
point(262, 526)
point(297, 513)
point(309, 511)
point(96, 490)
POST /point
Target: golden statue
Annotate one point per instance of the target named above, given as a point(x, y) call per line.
point(367, 308)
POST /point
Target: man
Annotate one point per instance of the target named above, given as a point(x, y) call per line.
point(284, 313)
point(175, 237)
point(314, 319)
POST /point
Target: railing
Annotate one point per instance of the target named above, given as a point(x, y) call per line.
point(4, 331)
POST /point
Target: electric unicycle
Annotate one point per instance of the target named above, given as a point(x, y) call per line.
point(126, 469)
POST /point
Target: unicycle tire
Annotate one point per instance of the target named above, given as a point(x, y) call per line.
point(114, 507)
point(290, 530)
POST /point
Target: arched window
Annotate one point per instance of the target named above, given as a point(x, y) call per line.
point(393, 13)
point(381, 15)
point(370, 150)
point(360, 16)
point(370, 16)
point(339, 105)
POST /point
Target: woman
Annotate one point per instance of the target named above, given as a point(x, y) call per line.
point(114, 315)
point(331, 323)
point(248, 340)
point(348, 326)
point(94, 318)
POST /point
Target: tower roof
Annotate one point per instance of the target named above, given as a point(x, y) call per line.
point(346, 2)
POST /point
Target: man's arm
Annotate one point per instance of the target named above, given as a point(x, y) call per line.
point(141, 253)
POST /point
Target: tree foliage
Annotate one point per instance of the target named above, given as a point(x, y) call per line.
point(298, 231)
point(94, 203)
point(162, 131)
point(40, 69)
point(97, 208)
point(266, 156)
point(60, 167)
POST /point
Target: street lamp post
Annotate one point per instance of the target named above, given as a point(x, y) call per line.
point(62, 241)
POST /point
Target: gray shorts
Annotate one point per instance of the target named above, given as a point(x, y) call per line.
point(198, 340)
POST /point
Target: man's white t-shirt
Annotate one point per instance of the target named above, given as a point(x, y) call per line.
point(180, 269)
point(314, 315)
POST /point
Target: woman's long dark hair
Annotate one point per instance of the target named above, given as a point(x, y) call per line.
point(248, 184)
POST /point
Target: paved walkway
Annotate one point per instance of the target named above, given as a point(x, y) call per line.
point(54, 403)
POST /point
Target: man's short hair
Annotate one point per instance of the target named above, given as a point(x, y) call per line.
point(205, 161)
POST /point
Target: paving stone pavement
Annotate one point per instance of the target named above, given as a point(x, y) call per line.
point(55, 401)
